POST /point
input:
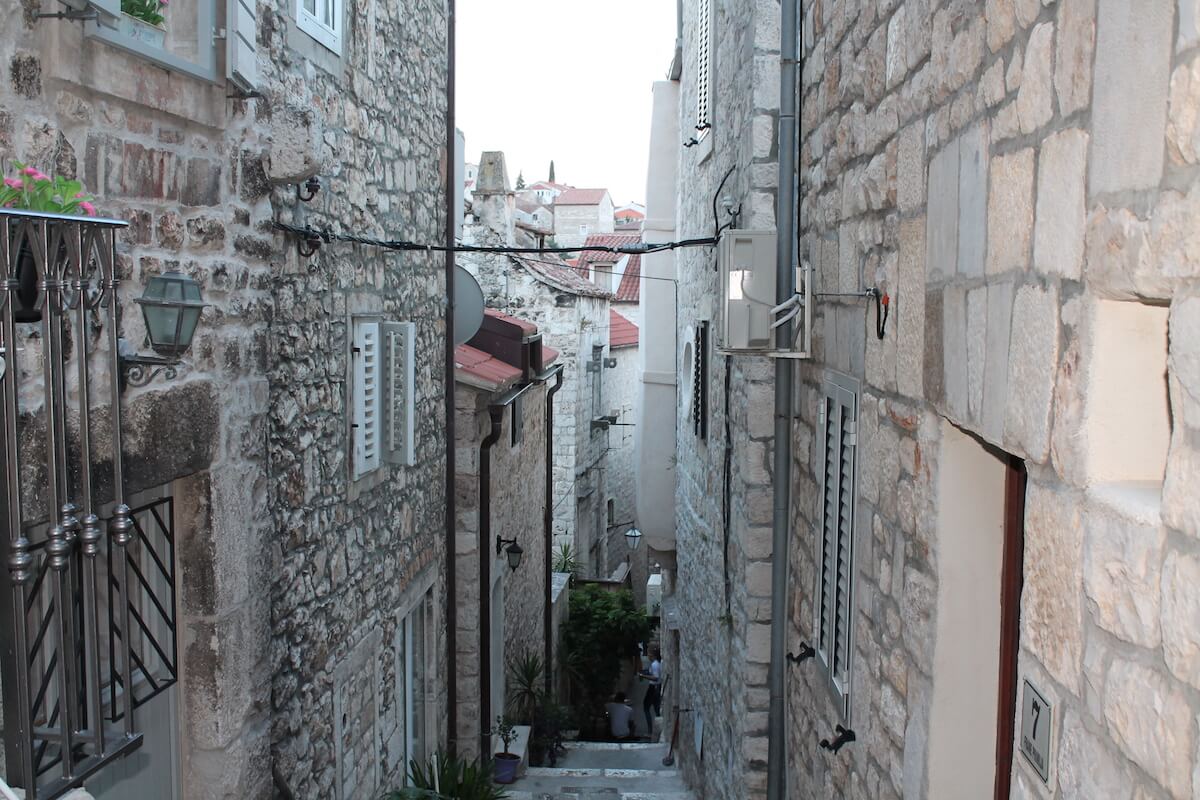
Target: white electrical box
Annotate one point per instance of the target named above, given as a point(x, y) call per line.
point(747, 266)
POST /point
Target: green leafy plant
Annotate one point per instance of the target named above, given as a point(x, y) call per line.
point(447, 778)
point(603, 628)
point(150, 11)
point(566, 560)
point(32, 190)
point(525, 674)
point(506, 731)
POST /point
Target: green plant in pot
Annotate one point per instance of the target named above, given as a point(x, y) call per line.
point(446, 777)
point(142, 21)
point(506, 763)
point(29, 189)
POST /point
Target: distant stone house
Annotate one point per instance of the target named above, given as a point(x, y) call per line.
point(992, 524)
point(504, 375)
point(543, 192)
point(304, 633)
point(578, 213)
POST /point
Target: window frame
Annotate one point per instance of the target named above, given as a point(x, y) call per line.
point(840, 394)
point(205, 65)
point(324, 35)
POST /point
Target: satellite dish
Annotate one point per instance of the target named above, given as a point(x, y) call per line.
point(468, 306)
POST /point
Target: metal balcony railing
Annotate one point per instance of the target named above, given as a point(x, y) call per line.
point(87, 620)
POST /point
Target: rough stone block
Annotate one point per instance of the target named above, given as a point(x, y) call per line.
point(1010, 211)
point(941, 234)
point(1180, 612)
point(909, 308)
point(1129, 111)
point(1152, 722)
point(1183, 120)
point(1073, 54)
point(1051, 606)
point(1179, 507)
point(1086, 765)
point(910, 181)
point(954, 346)
point(972, 200)
point(1035, 100)
point(977, 320)
point(1061, 205)
point(934, 380)
point(1033, 363)
point(1122, 553)
point(897, 56)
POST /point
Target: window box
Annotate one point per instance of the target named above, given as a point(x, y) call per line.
point(141, 31)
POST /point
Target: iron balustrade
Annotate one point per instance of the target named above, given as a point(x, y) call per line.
point(64, 574)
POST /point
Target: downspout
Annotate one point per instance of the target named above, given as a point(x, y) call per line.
point(484, 548)
point(548, 530)
point(448, 377)
point(784, 290)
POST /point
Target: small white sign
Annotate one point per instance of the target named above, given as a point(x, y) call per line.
point(1035, 731)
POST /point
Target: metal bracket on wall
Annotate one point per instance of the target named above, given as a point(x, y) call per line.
point(844, 737)
point(806, 652)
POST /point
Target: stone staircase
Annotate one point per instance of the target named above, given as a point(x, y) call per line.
point(604, 771)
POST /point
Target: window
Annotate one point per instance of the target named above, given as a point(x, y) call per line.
point(366, 397)
point(837, 422)
point(415, 689)
point(518, 422)
point(322, 20)
point(704, 31)
point(583, 230)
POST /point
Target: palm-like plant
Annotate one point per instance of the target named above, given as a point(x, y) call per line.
point(448, 778)
point(566, 560)
point(525, 686)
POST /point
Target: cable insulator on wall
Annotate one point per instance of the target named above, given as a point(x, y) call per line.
point(883, 304)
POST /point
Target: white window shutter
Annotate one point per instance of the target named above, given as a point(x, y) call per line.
point(703, 61)
point(838, 425)
point(366, 398)
point(241, 52)
point(400, 356)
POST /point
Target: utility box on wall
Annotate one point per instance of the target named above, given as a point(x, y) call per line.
point(747, 265)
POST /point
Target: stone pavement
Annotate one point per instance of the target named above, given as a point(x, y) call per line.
point(604, 771)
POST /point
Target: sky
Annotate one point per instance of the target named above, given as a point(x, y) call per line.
point(567, 80)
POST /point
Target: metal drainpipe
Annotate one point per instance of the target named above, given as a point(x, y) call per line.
point(784, 289)
point(496, 413)
point(548, 529)
point(451, 511)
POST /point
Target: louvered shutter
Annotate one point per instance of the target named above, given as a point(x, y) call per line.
point(241, 52)
point(400, 351)
point(703, 64)
point(366, 397)
point(838, 422)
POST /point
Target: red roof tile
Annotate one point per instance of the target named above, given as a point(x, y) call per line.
point(589, 257)
point(525, 325)
point(630, 290)
point(581, 197)
point(477, 368)
point(621, 332)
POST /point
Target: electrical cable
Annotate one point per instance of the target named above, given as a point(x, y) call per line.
point(883, 304)
point(314, 237)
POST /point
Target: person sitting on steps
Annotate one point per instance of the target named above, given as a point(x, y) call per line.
point(620, 717)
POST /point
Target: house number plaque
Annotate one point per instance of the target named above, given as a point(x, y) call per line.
point(1035, 730)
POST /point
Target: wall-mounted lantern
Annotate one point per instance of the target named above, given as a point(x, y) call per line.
point(514, 551)
point(171, 307)
point(633, 536)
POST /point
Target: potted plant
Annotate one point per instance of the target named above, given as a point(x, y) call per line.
point(31, 190)
point(506, 762)
point(141, 20)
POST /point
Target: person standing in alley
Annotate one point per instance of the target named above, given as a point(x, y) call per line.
point(652, 704)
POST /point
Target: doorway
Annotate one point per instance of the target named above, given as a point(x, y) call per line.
point(980, 507)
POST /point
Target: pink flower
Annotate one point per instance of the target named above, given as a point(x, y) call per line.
point(13, 183)
point(88, 208)
point(30, 171)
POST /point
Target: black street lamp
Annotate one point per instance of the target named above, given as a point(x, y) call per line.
point(633, 536)
point(514, 551)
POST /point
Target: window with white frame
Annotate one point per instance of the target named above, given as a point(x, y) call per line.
point(583, 230)
point(837, 426)
point(322, 20)
point(366, 398)
point(414, 687)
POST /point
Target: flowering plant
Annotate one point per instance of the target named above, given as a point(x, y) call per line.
point(34, 191)
point(150, 11)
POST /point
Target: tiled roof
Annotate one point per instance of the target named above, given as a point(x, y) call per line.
point(581, 197)
point(525, 325)
point(632, 213)
point(630, 290)
point(563, 278)
point(621, 332)
point(529, 206)
point(562, 187)
point(589, 257)
point(477, 368)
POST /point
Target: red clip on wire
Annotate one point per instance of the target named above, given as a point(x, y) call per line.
point(883, 305)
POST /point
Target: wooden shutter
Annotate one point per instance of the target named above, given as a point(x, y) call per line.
point(400, 355)
point(366, 397)
point(838, 424)
point(703, 65)
point(241, 51)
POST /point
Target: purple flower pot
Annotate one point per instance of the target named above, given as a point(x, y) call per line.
point(506, 767)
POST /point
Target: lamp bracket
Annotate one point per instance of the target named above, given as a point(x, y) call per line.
point(138, 369)
point(501, 541)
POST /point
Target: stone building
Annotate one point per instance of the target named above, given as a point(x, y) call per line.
point(572, 312)
point(578, 213)
point(308, 575)
point(501, 427)
point(992, 543)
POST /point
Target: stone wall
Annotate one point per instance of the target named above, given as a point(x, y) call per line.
point(567, 219)
point(722, 581)
point(622, 392)
point(518, 473)
point(1016, 175)
point(284, 575)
